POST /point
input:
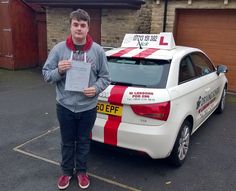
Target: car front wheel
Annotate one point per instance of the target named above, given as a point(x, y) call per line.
point(181, 147)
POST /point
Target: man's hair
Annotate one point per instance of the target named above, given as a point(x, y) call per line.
point(80, 14)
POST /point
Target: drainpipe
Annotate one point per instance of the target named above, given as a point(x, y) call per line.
point(165, 16)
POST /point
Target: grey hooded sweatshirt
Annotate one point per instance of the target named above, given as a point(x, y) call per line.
point(99, 75)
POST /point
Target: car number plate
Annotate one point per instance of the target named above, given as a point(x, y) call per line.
point(110, 109)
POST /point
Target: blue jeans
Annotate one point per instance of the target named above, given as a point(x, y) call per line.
point(75, 129)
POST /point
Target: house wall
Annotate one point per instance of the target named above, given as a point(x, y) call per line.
point(117, 22)
point(57, 25)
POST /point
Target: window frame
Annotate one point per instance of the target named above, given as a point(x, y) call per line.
point(192, 61)
point(208, 62)
point(190, 76)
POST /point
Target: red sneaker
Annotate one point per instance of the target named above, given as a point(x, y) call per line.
point(83, 180)
point(63, 182)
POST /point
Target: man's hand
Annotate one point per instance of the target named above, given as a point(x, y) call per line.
point(63, 65)
point(90, 92)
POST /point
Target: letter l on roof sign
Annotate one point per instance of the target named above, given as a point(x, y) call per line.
point(166, 41)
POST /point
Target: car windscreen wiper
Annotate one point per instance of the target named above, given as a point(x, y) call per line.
point(126, 84)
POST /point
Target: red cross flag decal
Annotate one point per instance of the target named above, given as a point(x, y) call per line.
point(163, 40)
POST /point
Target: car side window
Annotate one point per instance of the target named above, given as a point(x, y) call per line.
point(186, 70)
point(202, 64)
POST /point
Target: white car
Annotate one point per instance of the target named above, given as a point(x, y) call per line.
point(160, 94)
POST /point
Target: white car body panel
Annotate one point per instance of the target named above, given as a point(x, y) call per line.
point(197, 99)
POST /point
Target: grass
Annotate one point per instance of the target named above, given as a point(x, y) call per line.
point(231, 98)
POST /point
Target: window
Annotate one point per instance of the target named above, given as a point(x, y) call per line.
point(202, 64)
point(186, 70)
point(139, 72)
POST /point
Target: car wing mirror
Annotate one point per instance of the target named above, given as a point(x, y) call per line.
point(222, 69)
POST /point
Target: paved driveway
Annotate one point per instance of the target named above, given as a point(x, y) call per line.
point(30, 148)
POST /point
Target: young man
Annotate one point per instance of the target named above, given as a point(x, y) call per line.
point(76, 110)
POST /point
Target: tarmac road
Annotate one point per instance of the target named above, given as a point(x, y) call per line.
point(30, 148)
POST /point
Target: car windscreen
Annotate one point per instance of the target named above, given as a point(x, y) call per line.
point(139, 72)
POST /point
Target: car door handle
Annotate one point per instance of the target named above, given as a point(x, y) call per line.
point(207, 89)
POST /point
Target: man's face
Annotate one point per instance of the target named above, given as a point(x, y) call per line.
point(79, 30)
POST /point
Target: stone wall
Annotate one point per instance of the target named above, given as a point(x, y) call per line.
point(117, 22)
point(58, 25)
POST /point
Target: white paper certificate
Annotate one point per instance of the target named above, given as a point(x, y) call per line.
point(77, 77)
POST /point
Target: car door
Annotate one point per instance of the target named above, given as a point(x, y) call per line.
point(209, 94)
point(191, 87)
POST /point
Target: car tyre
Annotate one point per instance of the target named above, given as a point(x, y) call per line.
point(181, 146)
point(221, 105)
